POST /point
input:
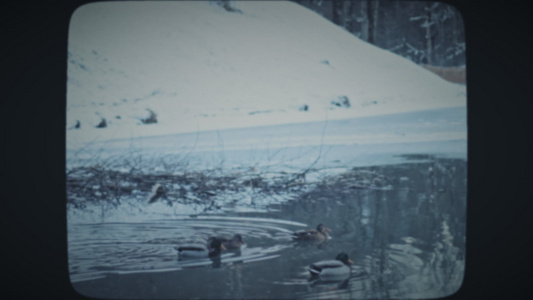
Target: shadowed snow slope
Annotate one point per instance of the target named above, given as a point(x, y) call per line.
point(199, 67)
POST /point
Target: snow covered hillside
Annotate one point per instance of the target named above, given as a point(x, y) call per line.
point(199, 67)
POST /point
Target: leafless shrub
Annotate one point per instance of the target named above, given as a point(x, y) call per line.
point(104, 184)
point(112, 180)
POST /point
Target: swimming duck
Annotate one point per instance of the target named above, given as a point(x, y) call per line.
point(320, 234)
point(212, 249)
point(338, 267)
point(233, 243)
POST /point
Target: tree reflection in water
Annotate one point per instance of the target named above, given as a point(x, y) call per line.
point(407, 241)
point(411, 239)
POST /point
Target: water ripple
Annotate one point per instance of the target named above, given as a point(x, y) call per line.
point(96, 250)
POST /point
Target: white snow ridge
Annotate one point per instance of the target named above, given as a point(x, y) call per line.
point(199, 67)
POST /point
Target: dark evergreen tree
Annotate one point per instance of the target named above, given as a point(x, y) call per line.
point(337, 11)
point(424, 32)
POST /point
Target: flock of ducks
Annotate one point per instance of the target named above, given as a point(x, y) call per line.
point(341, 265)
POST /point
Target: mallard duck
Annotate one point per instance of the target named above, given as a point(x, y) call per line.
point(212, 249)
point(338, 267)
point(320, 234)
point(233, 243)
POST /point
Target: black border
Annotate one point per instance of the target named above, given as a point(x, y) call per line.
point(500, 100)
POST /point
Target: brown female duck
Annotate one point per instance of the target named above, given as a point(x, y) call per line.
point(320, 234)
point(233, 243)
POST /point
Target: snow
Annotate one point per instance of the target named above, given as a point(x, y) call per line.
point(228, 89)
point(200, 68)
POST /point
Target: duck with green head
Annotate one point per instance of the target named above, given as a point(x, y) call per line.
point(340, 266)
point(212, 249)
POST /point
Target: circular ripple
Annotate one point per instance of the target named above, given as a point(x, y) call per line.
point(99, 249)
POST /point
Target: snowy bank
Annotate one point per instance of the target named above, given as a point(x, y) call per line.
point(200, 67)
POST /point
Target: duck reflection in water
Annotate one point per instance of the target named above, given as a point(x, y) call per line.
point(329, 284)
point(217, 262)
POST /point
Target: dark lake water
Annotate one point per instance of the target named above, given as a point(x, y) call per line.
point(407, 241)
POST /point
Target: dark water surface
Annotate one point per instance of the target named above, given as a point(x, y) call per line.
point(406, 242)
